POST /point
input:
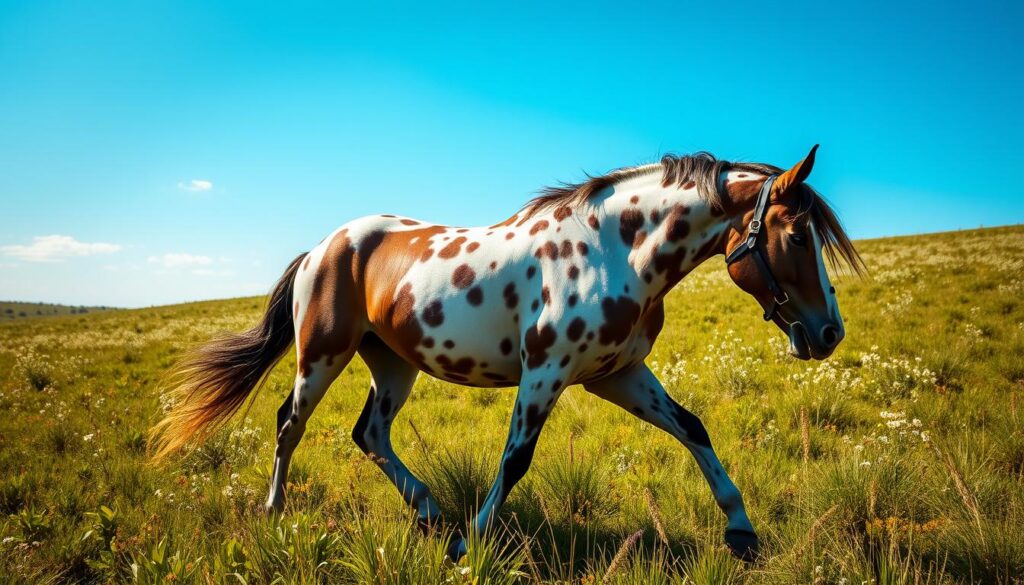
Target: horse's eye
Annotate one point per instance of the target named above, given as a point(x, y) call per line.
point(798, 238)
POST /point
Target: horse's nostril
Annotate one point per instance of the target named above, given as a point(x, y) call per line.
point(830, 335)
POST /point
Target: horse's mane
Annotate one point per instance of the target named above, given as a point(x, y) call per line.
point(704, 170)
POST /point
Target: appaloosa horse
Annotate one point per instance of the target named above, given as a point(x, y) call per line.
point(569, 290)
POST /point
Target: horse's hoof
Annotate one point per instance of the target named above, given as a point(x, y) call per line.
point(456, 548)
point(742, 543)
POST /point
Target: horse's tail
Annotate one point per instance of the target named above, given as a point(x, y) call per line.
point(213, 380)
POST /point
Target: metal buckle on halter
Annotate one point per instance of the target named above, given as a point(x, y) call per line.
point(785, 299)
point(755, 226)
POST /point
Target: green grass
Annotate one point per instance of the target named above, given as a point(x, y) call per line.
point(899, 460)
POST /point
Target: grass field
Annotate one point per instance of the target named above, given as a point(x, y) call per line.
point(898, 460)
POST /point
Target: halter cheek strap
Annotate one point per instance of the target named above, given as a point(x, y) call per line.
point(751, 245)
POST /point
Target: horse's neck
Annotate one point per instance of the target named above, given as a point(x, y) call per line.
point(664, 232)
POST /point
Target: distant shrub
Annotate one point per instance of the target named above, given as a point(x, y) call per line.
point(36, 368)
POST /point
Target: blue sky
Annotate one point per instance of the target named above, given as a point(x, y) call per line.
point(156, 152)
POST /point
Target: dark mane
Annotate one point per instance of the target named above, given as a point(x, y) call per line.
point(704, 170)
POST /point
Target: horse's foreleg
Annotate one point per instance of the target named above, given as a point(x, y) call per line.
point(393, 379)
point(537, 396)
point(291, 421)
point(639, 391)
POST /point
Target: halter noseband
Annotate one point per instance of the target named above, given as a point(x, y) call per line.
point(752, 247)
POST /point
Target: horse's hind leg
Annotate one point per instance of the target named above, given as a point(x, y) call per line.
point(393, 379)
point(311, 383)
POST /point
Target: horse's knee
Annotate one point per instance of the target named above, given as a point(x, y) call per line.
point(291, 431)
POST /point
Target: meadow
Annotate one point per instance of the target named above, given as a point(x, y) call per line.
point(898, 460)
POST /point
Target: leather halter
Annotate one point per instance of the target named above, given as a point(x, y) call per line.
point(753, 247)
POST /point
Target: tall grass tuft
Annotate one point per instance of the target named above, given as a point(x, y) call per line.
point(376, 549)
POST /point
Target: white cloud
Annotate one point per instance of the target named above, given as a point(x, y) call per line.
point(195, 185)
point(57, 248)
point(180, 260)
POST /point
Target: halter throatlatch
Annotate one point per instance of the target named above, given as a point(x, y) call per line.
point(753, 247)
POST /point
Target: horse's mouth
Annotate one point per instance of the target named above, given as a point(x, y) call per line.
point(799, 346)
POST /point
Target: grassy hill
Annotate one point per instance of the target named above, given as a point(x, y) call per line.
point(10, 310)
point(899, 460)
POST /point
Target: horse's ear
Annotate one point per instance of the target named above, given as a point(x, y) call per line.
point(794, 176)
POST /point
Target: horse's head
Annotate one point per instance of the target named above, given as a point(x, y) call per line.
point(776, 252)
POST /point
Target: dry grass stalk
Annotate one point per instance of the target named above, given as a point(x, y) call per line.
point(544, 508)
point(813, 532)
point(655, 512)
point(419, 438)
point(621, 556)
point(970, 502)
point(805, 433)
point(872, 498)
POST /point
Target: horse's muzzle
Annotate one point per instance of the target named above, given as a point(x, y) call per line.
point(820, 346)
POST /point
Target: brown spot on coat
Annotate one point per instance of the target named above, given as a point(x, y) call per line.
point(452, 249)
point(536, 342)
point(576, 328)
point(463, 276)
point(671, 265)
point(475, 296)
point(539, 227)
point(620, 315)
point(566, 250)
point(676, 227)
point(562, 212)
point(574, 272)
point(581, 247)
point(511, 298)
point(654, 320)
point(472, 247)
point(410, 222)
point(433, 314)
point(549, 249)
point(505, 346)
point(459, 366)
point(630, 222)
point(507, 222)
point(592, 220)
